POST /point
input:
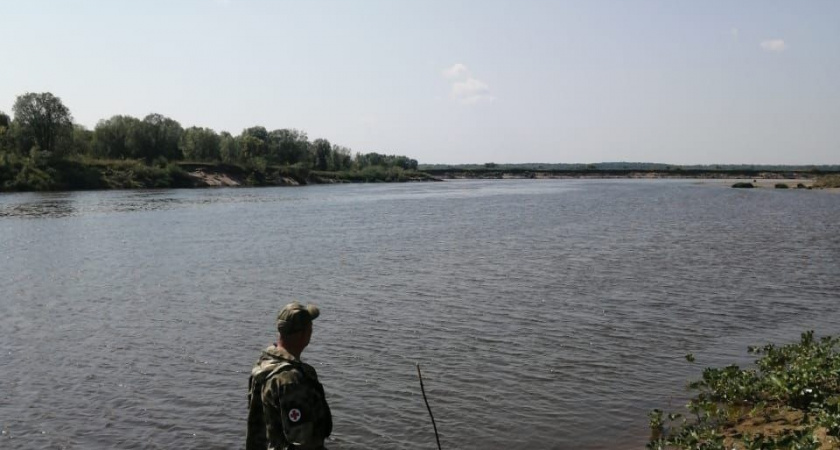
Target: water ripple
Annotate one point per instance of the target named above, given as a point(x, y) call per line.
point(545, 314)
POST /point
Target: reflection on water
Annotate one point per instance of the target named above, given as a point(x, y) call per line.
point(64, 204)
point(37, 205)
point(545, 313)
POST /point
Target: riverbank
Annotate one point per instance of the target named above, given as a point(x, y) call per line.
point(794, 179)
point(790, 399)
point(219, 175)
point(822, 183)
point(704, 174)
point(26, 174)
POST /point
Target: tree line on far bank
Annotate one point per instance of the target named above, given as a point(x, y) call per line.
point(42, 127)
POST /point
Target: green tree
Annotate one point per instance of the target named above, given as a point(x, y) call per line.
point(288, 146)
point(200, 144)
point(253, 143)
point(81, 140)
point(42, 120)
point(5, 132)
point(342, 158)
point(118, 137)
point(161, 136)
point(228, 148)
point(322, 150)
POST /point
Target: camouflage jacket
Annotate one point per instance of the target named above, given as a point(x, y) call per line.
point(287, 407)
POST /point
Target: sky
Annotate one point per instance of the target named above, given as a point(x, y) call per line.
point(454, 81)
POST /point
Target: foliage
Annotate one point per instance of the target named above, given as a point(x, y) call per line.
point(228, 148)
point(200, 144)
point(130, 138)
point(42, 120)
point(371, 175)
point(6, 141)
point(288, 147)
point(376, 159)
point(797, 385)
point(743, 185)
point(41, 149)
point(161, 137)
point(781, 186)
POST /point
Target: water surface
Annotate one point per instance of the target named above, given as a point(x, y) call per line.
point(545, 314)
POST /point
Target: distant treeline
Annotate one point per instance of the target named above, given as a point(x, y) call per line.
point(41, 132)
point(629, 166)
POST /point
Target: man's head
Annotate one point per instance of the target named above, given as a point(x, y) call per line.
point(294, 323)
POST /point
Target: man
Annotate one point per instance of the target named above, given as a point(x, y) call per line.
point(287, 408)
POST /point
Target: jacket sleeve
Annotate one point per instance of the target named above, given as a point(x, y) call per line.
point(297, 406)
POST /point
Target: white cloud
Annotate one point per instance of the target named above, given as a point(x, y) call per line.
point(471, 91)
point(456, 71)
point(466, 89)
point(774, 45)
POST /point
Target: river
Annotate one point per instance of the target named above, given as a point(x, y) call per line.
point(544, 313)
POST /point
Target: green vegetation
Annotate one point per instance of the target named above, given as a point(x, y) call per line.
point(743, 185)
point(41, 149)
point(371, 174)
point(789, 400)
point(781, 186)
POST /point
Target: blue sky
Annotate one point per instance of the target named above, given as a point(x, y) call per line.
point(453, 81)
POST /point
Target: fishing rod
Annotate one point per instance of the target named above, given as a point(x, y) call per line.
point(423, 390)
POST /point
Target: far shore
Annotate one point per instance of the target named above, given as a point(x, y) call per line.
point(68, 175)
point(722, 175)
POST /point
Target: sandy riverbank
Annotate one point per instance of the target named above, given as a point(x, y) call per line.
point(765, 183)
point(758, 182)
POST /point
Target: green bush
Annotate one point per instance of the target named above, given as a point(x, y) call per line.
point(743, 185)
point(796, 384)
point(781, 186)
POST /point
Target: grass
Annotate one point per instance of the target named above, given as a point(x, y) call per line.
point(38, 172)
point(789, 400)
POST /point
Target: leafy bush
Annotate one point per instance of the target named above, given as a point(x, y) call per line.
point(743, 185)
point(797, 385)
point(781, 186)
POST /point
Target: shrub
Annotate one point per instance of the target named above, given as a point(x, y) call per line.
point(796, 384)
point(743, 185)
point(781, 186)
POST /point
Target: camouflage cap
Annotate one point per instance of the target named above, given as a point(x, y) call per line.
point(294, 317)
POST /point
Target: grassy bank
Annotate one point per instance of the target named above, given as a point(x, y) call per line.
point(371, 175)
point(36, 173)
point(789, 400)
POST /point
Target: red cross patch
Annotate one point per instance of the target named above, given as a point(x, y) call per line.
point(294, 415)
